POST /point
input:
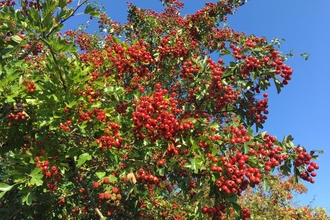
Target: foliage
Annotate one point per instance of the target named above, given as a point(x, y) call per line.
point(140, 121)
point(277, 201)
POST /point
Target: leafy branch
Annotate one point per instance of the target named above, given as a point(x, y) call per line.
point(65, 19)
point(84, 185)
point(57, 65)
point(29, 51)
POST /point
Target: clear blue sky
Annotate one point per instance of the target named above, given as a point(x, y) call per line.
point(302, 107)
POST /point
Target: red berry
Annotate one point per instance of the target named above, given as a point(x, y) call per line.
point(96, 185)
point(115, 190)
point(101, 195)
point(106, 180)
point(204, 210)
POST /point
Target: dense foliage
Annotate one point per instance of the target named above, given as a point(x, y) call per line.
point(278, 201)
point(151, 118)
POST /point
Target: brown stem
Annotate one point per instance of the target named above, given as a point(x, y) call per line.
point(84, 185)
point(29, 51)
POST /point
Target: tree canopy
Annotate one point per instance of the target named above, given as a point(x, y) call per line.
point(158, 117)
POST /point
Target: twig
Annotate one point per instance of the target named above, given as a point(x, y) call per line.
point(56, 64)
point(83, 184)
point(29, 51)
point(65, 19)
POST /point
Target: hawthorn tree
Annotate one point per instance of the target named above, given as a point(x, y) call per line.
point(156, 118)
point(277, 201)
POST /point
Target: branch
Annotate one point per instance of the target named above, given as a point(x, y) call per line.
point(64, 20)
point(57, 65)
point(83, 184)
point(72, 14)
point(29, 51)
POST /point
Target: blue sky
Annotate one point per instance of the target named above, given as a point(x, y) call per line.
point(302, 107)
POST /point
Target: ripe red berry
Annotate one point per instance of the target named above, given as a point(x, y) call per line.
point(107, 195)
point(106, 180)
point(101, 196)
point(96, 185)
point(204, 210)
point(115, 190)
point(310, 168)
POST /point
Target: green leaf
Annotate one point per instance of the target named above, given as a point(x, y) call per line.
point(37, 180)
point(237, 208)
point(112, 178)
point(62, 3)
point(16, 38)
point(5, 187)
point(286, 168)
point(246, 147)
point(2, 194)
point(83, 158)
point(100, 175)
point(161, 171)
point(35, 171)
point(34, 16)
point(36, 177)
point(195, 164)
point(48, 22)
point(266, 183)
point(278, 84)
point(28, 199)
point(232, 198)
point(92, 11)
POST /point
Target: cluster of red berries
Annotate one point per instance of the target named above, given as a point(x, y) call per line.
point(7, 3)
point(218, 212)
point(238, 134)
point(121, 107)
point(272, 154)
point(232, 179)
point(109, 141)
point(304, 158)
point(90, 93)
point(112, 195)
point(109, 196)
point(148, 179)
point(29, 4)
point(85, 116)
point(223, 95)
point(252, 42)
point(172, 46)
point(274, 60)
point(138, 54)
point(171, 151)
point(258, 109)
point(158, 157)
point(188, 70)
point(113, 139)
point(50, 173)
point(84, 40)
point(100, 114)
point(155, 117)
point(37, 49)
point(250, 63)
point(215, 212)
point(29, 85)
point(94, 76)
point(66, 125)
point(20, 116)
point(237, 52)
